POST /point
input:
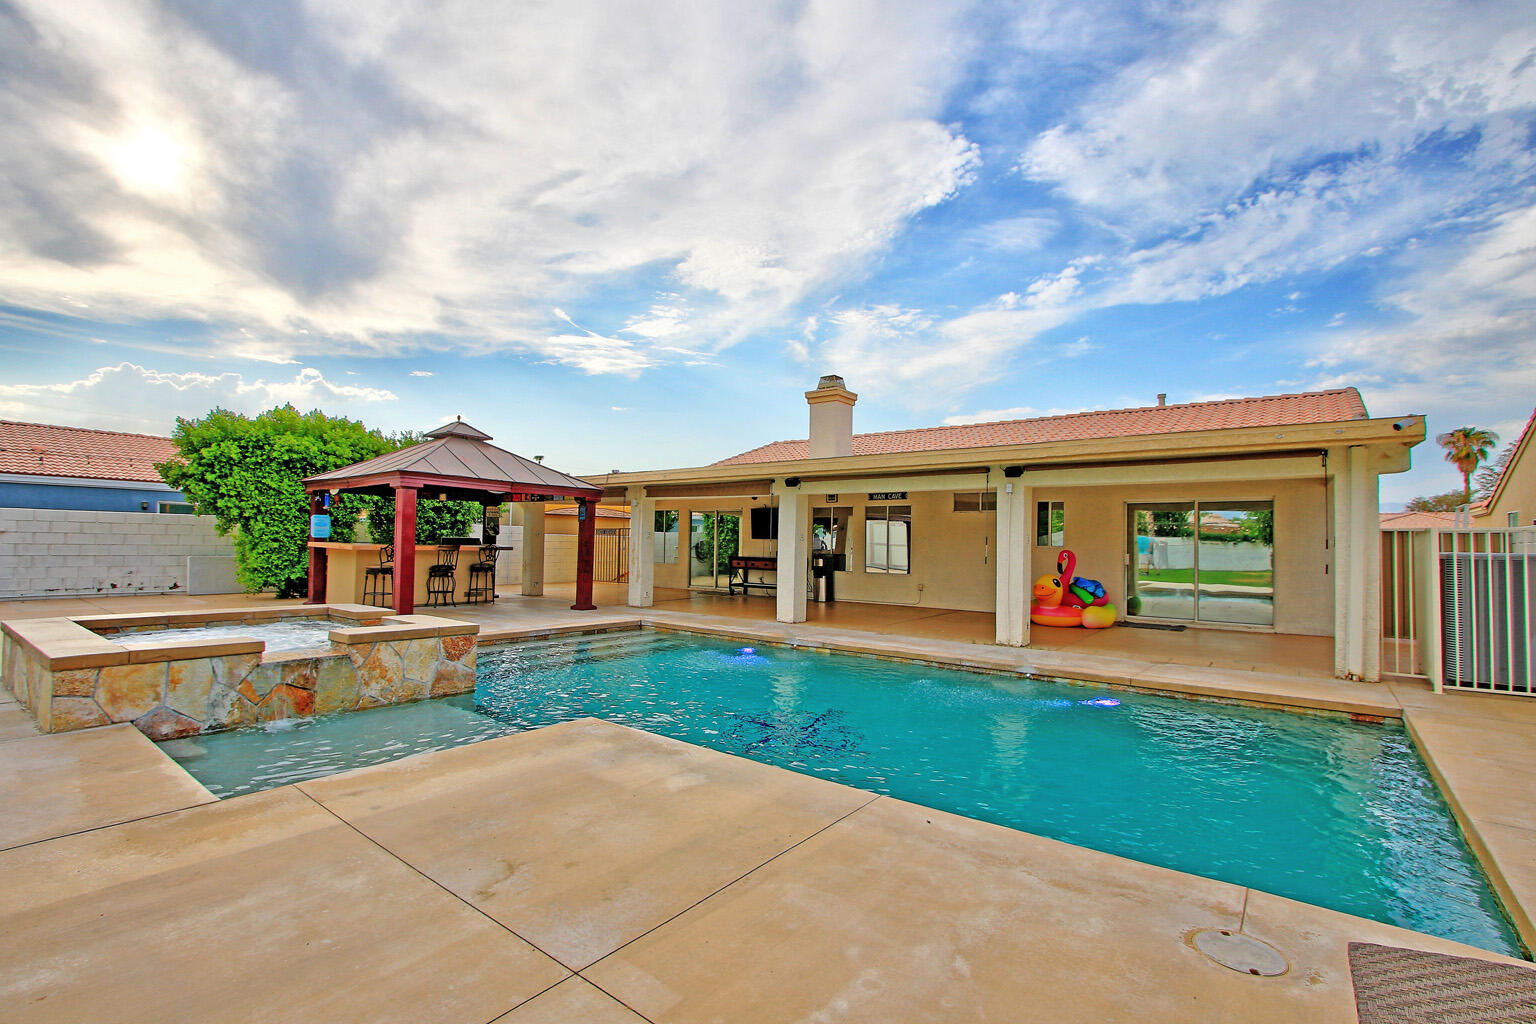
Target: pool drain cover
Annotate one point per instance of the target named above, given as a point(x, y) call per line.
point(1240, 953)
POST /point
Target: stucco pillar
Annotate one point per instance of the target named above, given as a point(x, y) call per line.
point(642, 549)
point(1014, 558)
point(794, 552)
point(533, 548)
point(1356, 565)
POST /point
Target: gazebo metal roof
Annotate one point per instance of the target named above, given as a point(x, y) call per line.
point(461, 462)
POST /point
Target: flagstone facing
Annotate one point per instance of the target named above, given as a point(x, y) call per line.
point(71, 678)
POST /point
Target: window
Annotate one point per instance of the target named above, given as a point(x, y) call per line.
point(888, 539)
point(176, 508)
point(1050, 524)
point(975, 501)
point(666, 537)
point(1514, 518)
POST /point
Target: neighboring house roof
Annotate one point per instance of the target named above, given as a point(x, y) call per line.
point(42, 449)
point(1267, 411)
point(1417, 520)
point(1481, 508)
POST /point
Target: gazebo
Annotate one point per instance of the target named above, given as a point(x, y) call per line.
point(459, 463)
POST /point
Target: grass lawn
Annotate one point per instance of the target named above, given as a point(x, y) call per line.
point(1211, 577)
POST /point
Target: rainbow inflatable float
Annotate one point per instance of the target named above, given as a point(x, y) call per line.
point(1067, 600)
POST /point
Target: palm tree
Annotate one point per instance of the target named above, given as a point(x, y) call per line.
point(1467, 447)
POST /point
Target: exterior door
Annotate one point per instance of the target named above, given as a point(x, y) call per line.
point(1202, 562)
point(713, 539)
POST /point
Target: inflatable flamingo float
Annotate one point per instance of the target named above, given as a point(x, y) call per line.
point(1067, 600)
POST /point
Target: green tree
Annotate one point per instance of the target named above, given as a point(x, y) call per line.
point(1450, 501)
point(1467, 448)
point(248, 473)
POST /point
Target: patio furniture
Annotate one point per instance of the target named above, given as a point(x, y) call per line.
point(441, 576)
point(482, 575)
point(743, 565)
point(379, 580)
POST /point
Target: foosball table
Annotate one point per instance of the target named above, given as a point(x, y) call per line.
point(741, 568)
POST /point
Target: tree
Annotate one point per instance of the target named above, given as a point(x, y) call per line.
point(248, 474)
point(1450, 501)
point(1467, 448)
point(1488, 477)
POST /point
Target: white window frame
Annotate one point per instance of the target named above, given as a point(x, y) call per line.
point(878, 549)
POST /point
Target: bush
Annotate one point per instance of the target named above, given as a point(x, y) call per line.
point(248, 474)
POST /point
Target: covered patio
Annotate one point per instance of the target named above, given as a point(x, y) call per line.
point(457, 463)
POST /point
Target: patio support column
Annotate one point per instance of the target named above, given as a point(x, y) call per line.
point(794, 551)
point(1015, 556)
point(642, 549)
point(586, 541)
point(1356, 566)
point(317, 557)
point(405, 550)
point(533, 548)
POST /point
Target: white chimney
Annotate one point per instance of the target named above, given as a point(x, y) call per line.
point(831, 418)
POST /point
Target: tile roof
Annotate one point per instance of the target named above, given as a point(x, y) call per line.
point(1417, 520)
point(41, 449)
point(459, 456)
point(1266, 411)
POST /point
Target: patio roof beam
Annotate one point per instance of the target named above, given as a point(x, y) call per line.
point(1304, 467)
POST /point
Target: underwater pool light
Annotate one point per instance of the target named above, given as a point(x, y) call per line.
point(748, 650)
point(1102, 702)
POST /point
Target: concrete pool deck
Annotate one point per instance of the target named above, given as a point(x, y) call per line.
point(591, 872)
point(603, 874)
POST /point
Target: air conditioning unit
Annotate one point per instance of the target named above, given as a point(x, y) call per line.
point(1488, 616)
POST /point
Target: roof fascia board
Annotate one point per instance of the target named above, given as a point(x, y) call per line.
point(1289, 438)
point(86, 481)
point(430, 482)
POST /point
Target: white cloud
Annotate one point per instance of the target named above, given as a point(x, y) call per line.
point(131, 397)
point(422, 373)
point(365, 173)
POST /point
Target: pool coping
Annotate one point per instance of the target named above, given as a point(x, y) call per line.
point(1518, 902)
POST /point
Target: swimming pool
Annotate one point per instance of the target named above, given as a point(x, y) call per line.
point(1319, 809)
point(278, 634)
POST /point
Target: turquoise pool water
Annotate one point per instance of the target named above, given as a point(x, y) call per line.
point(1318, 809)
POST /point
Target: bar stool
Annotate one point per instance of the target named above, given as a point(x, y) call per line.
point(440, 576)
point(379, 580)
point(482, 575)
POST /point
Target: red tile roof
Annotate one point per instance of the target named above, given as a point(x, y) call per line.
point(1267, 411)
point(1417, 520)
point(41, 449)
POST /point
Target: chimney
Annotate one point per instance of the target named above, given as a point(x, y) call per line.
point(831, 418)
point(1162, 399)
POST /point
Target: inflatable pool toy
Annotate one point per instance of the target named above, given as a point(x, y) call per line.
point(1067, 600)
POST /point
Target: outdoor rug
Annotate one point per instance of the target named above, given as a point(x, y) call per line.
point(1410, 986)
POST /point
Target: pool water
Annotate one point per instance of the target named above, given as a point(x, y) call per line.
point(1318, 809)
point(279, 635)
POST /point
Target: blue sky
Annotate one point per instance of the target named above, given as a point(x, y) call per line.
point(630, 235)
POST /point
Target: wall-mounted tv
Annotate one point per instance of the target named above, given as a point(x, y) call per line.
point(765, 523)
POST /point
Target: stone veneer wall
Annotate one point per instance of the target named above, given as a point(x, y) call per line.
point(170, 699)
point(64, 553)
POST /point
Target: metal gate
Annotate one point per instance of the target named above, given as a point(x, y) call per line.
point(610, 558)
point(1487, 584)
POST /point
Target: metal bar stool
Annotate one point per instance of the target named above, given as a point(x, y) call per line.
point(482, 575)
point(379, 580)
point(440, 576)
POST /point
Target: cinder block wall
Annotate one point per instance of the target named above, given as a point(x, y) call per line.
point(60, 553)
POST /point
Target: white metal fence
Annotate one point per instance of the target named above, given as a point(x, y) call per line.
point(1487, 588)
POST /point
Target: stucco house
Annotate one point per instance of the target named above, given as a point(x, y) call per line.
point(1512, 502)
point(1256, 514)
point(43, 466)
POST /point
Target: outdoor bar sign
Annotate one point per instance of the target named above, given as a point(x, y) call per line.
point(887, 495)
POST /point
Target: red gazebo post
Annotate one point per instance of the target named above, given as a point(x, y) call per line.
point(586, 541)
point(317, 556)
point(405, 550)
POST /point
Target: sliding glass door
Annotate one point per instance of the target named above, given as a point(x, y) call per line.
point(1202, 562)
point(713, 539)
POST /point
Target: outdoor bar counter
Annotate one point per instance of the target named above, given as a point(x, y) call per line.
point(345, 564)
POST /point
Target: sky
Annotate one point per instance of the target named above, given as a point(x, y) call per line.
point(630, 236)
